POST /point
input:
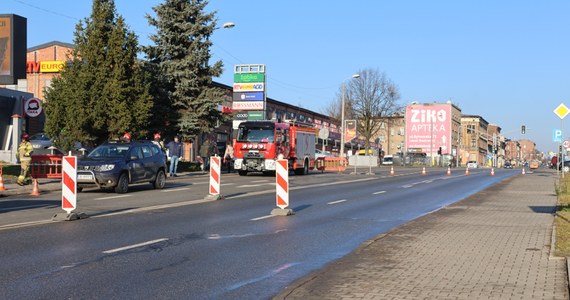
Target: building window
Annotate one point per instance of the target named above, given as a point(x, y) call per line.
point(392, 131)
point(470, 129)
point(473, 143)
point(401, 131)
point(382, 139)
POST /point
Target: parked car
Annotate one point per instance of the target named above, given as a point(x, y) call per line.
point(508, 165)
point(40, 141)
point(388, 160)
point(472, 164)
point(566, 167)
point(320, 153)
point(116, 164)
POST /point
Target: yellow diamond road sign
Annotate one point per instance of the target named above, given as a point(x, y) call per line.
point(561, 111)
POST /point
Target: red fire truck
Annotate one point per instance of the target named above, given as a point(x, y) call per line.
point(260, 143)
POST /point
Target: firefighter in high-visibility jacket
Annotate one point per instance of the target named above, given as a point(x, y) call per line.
point(25, 154)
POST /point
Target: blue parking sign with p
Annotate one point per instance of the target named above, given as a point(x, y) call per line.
point(557, 135)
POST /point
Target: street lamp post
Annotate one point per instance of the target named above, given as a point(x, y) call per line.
point(342, 126)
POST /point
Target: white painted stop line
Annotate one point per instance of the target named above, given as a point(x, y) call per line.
point(336, 202)
point(135, 246)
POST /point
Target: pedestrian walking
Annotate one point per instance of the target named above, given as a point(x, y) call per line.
point(25, 155)
point(229, 157)
point(205, 155)
point(175, 152)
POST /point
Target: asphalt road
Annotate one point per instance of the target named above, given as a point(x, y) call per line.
point(172, 244)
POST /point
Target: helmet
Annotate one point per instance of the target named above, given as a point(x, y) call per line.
point(127, 136)
point(157, 136)
point(25, 136)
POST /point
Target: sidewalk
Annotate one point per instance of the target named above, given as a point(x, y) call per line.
point(493, 245)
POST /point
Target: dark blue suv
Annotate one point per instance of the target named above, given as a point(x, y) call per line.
point(116, 164)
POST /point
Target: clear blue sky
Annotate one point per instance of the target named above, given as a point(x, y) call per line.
point(507, 61)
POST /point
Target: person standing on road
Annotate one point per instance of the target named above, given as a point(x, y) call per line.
point(229, 156)
point(175, 152)
point(25, 155)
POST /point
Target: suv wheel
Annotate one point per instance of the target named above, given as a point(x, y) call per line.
point(160, 180)
point(123, 184)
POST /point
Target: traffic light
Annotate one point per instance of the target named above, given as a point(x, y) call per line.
point(523, 129)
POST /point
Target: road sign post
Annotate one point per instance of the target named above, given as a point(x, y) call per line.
point(561, 111)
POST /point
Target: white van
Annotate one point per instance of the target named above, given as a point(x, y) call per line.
point(388, 160)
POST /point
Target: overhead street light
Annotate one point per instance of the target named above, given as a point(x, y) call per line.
point(342, 126)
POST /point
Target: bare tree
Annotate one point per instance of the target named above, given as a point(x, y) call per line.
point(370, 100)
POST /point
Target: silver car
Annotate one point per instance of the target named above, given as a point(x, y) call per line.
point(472, 164)
point(40, 141)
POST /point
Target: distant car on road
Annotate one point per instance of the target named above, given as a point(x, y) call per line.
point(116, 164)
point(508, 165)
point(534, 164)
point(472, 164)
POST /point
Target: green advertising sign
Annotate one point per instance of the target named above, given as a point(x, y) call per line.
point(255, 115)
point(249, 77)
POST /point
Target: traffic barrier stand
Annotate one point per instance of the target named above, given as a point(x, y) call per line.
point(337, 164)
point(391, 171)
point(492, 171)
point(467, 171)
point(46, 166)
point(448, 171)
point(215, 171)
point(424, 171)
point(2, 187)
point(35, 188)
point(282, 189)
point(69, 191)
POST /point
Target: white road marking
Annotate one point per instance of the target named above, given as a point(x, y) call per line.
point(175, 190)
point(113, 197)
point(407, 186)
point(261, 218)
point(229, 183)
point(256, 181)
point(336, 202)
point(135, 246)
point(380, 192)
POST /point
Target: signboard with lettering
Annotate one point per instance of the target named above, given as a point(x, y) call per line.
point(428, 126)
point(33, 107)
point(249, 87)
point(248, 96)
point(247, 105)
point(249, 77)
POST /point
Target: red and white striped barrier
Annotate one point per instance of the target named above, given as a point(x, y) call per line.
point(282, 188)
point(69, 184)
point(282, 184)
point(69, 191)
point(215, 171)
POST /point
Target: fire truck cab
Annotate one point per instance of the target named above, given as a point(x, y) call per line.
point(260, 143)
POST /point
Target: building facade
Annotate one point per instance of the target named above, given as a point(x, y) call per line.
point(474, 139)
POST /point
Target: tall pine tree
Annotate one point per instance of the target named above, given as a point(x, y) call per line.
point(181, 57)
point(102, 92)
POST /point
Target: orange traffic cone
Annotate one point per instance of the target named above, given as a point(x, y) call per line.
point(523, 172)
point(2, 187)
point(424, 171)
point(492, 171)
point(467, 171)
point(448, 171)
point(391, 171)
point(36, 188)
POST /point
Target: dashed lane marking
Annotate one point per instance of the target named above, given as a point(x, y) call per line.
point(336, 202)
point(135, 246)
point(113, 197)
point(378, 193)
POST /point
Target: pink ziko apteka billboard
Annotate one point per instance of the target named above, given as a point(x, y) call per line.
point(428, 127)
